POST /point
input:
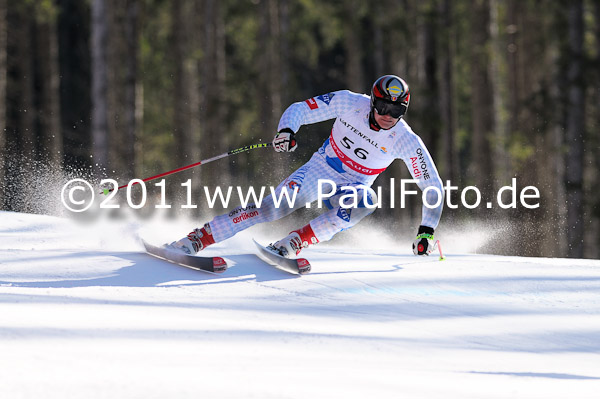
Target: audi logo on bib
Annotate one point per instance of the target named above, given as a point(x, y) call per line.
point(352, 164)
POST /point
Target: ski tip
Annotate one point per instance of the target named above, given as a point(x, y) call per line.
point(303, 266)
point(219, 264)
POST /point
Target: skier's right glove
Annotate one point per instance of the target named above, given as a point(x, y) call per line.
point(284, 141)
point(423, 244)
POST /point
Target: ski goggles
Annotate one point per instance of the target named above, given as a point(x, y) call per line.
point(393, 109)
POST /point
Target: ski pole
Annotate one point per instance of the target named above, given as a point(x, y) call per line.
point(439, 246)
point(204, 161)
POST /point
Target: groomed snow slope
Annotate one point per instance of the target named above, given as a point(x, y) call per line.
point(84, 313)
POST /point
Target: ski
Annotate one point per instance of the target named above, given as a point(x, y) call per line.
point(297, 266)
point(207, 264)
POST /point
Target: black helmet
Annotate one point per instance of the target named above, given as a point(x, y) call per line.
point(390, 95)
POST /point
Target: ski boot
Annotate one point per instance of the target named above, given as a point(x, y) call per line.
point(195, 242)
point(291, 245)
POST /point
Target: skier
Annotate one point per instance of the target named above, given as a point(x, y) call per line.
point(367, 135)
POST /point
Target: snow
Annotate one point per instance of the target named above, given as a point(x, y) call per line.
point(85, 313)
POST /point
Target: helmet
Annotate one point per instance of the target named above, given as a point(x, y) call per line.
point(390, 95)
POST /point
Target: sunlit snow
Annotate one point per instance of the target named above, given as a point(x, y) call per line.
point(85, 313)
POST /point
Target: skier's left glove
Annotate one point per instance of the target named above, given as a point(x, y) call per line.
point(285, 141)
point(423, 244)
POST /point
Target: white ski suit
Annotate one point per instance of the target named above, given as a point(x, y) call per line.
point(354, 155)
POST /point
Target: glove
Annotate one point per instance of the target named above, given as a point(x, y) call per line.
point(423, 244)
point(284, 141)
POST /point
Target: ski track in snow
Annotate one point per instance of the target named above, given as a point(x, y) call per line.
point(86, 313)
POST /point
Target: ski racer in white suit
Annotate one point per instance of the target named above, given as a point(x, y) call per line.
point(367, 135)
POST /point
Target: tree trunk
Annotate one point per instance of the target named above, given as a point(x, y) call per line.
point(497, 49)
point(447, 96)
point(595, 246)
point(51, 131)
point(3, 74)
point(184, 82)
point(481, 107)
point(27, 109)
point(555, 218)
point(575, 130)
point(75, 81)
point(99, 33)
point(379, 43)
point(515, 82)
point(353, 47)
point(117, 59)
point(180, 132)
point(22, 107)
point(284, 50)
point(430, 100)
point(186, 110)
point(273, 79)
point(131, 85)
point(213, 69)
point(267, 52)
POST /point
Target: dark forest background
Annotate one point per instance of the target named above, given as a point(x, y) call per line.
point(132, 88)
